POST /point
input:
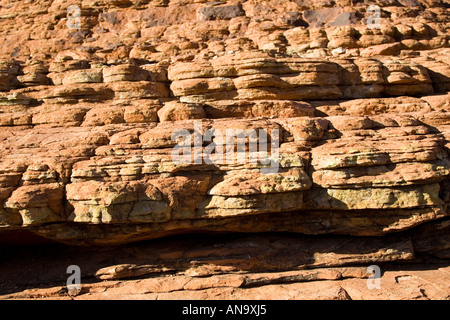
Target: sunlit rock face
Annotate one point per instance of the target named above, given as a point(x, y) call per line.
point(314, 118)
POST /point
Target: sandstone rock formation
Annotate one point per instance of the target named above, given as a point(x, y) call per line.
point(357, 100)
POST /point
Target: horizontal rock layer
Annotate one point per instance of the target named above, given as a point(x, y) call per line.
point(333, 167)
point(234, 267)
point(361, 134)
point(349, 117)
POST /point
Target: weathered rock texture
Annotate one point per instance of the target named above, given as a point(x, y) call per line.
point(88, 113)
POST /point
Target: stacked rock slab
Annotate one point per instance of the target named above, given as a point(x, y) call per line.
point(88, 114)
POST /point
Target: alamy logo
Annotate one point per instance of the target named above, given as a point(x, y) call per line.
point(234, 147)
point(374, 21)
point(374, 281)
point(74, 17)
point(74, 281)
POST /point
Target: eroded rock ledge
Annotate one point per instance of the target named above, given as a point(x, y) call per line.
point(361, 117)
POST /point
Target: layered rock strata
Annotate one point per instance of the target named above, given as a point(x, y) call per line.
point(354, 111)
